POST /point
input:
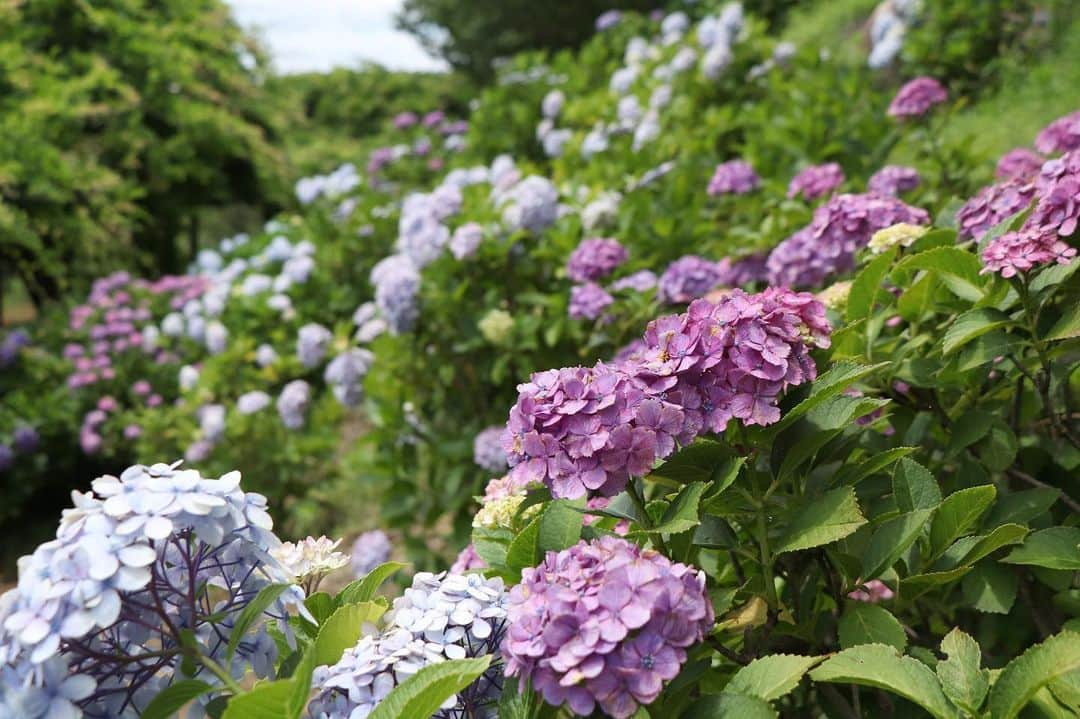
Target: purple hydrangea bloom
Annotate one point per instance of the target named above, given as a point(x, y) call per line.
point(312, 343)
point(828, 244)
point(993, 205)
point(743, 271)
point(595, 258)
point(688, 278)
point(487, 450)
point(1058, 211)
point(25, 439)
point(9, 348)
point(1061, 135)
point(532, 204)
point(604, 623)
point(7, 457)
point(1052, 171)
point(467, 559)
point(466, 239)
point(345, 374)
point(292, 403)
point(369, 551)
point(916, 98)
point(1018, 252)
point(816, 181)
point(588, 301)
point(1019, 164)
point(397, 284)
point(405, 120)
point(252, 402)
point(735, 177)
point(640, 281)
point(893, 180)
point(608, 20)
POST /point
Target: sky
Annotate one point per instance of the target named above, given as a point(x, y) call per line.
point(317, 35)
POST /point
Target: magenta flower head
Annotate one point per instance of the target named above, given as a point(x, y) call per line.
point(688, 278)
point(893, 180)
point(1014, 253)
point(1058, 210)
point(735, 177)
point(433, 118)
point(405, 120)
point(993, 205)
point(467, 560)
point(816, 181)
point(604, 623)
point(917, 97)
point(1019, 164)
point(872, 592)
point(595, 258)
point(1061, 135)
point(588, 301)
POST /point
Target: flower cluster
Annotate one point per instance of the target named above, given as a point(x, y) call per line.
point(917, 97)
point(688, 278)
point(1018, 252)
point(12, 343)
point(369, 550)
point(604, 623)
point(440, 617)
point(310, 560)
point(828, 244)
point(816, 181)
point(95, 621)
point(1019, 164)
point(532, 204)
point(735, 177)
point(588, 301)
point(345, 375)
point(335, 184)
point(993, 205)
point(292, 403)
point(595, 258)
point(312, 344)
point(1061, 135)
point(487, 450)
point(587, 430)
point(893, 180)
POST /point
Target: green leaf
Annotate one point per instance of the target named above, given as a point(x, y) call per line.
point(524, 549)
point(364, 589)
point(957, 268)
point(514, 703)
point(267, 700)
point(1068, 326)
point(1022, 507)
point(867, 286)
point(1024, 676)
point(703, 461)
point(970, 325)
point(969, 428)
point(863, 623)
point(492, 545)
point(839, 377)
point(963, 679)
point(914, 487)
point(918, 584)
point(682, 514)
point(817, 428)
point(1053, 548)
point(852, 474)
point(251, 613)
point(321, 605)
point(421, 694)
point(990, 588)
point(342, 630)
point(560, 525)
point(881, 666)
point(772, 676)
point(301, 686)
point(173, 698)
point(959, 514)
point(730, 706)
point(1002, 536)
point(830, 517)
point(891, 539)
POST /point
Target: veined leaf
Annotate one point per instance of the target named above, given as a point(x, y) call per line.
point(1032, 670)
point(830, 517)
point(771, 677)
point(421, 694)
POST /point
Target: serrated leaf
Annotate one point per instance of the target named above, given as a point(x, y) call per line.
point(251, 613)
point(267, 700)
point(990, 588)
point(1002, 536)
point(867, 286)
point(421, 694)
point(1022, 507)
point(682, 514)
point(698, 462)
point(560, 525)
point(830, 517)
point(863, 623)
point(968, 429)
point(771, 677)
point(1053, 548)
point(914, 487)
point(957, 268)
point(1067, 326)
point(959, 514)
point(918, 584)
point(1032, 670)
point(970, 325)
point(730, 706)
point(853, 474)
point(838, 378)
point(170, 700)
point(817, 428)
point(342, 630)
point(364, 589)
point(891, 539)
point(963, 679)
point(881, 666)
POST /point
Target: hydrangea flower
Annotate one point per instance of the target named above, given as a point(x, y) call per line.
point(252, 402)
point(893, 180)
point(595, 258)
point(265, 355)
point(552, 104)
point(835, 296)
point(132, 562)
point(872, 592)
point(917, 97)
point(901, 234)
point(602, 211)
point(588, 301)
point(370, 550)
point(840, 227)
point(1057, 212)
point(487, 450)
point(397, 283)
point(1014, 253)
point(1019, 164)
point(466, 239)
point(532, 204)
point(292, 403)
point(640, 281)
point(467, 559)
point(816, 181)
point(604, 623)
point(440, 617)
point(310, 560)
point(608, 20)
point(12, 343)
point(25, 439)
point(1061, 135)
point(735, 177)
point(496, 326)
point(345, 374)
point(993, 205)
point(688, 278)
point(312, 343)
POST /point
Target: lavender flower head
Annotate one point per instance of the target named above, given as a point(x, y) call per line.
point(588, 301)
point(735, 177)
point(252, 402)
point(992, 205)
point(640, 281)
point(608, 20)
point(369, 551)
point(828, 244)
point(532, 204)
point(292, 403)
point(312, 343)
point(816, 181)
point(1057, 212)
point(604, 623)
point(1016, 253)
point(893, 180)
point(345, 374)
point(440, 617)
point(397, 284)
point(487, 450)
point(25, 439)
point(552, 104)
point(688, 278)
point(595, 258)
point(9, 348)
point(466, 239)
point(132, 562)
point(467, 559)
point(916, 98)
point(1019, 164)
point(1061, 135)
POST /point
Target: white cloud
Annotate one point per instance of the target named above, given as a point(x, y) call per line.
point(317, 35)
